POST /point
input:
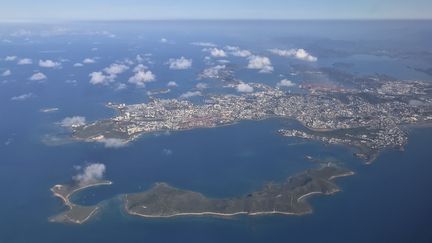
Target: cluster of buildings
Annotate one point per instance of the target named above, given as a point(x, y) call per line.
point(369, 118)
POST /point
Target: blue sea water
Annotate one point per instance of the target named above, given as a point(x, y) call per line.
point(388, 201)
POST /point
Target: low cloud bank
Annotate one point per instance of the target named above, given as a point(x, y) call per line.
point(300, 54)
point(180, 64)
point(71, 122)
point(244, 88)
point(90, 174)
point(260, 63)
point(113, 142)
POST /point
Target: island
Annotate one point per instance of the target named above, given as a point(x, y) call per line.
point(164, 201)
point(287, 198)
point(76, 214)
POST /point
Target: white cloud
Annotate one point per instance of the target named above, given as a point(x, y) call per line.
point(241, 53)
point(236, 51)
point(142, 76)
point(113, 142)
point(304, 55)
point(204, 44)
point(89, 61)
point(25, 61)
point(98, 78)
point(71, 122)
point(261, 63)
point(215, 52)
point(190, 94)
point(244, 88)
point(48, 64)
point(6, 73)
point(78, 64)
point(212, 72)
point(201, 86)
point(108, 75)
point(116, 69)
point(232, 48)
point(164, 40)
point(300, 54)
point(38, 76)
point(90, 174)
point(285, 83)
point(267, 69)
point(22, 97)
point(180, 64)
point(223, 61)
point(49, 110)
point(10, 58)
point(140, 67)
point(172, 84)
point(120, 86)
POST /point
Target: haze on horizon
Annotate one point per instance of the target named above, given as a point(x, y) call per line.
point(46, 10)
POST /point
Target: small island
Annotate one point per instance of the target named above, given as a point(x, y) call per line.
point(75, 214)
point(287, 198)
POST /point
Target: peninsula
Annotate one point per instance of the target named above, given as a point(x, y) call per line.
point(76, 214)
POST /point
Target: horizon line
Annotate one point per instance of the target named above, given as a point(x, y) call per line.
point(50, 20)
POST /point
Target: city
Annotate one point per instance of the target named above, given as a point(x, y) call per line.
point(371, 118)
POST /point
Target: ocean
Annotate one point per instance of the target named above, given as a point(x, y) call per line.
point(387, 201)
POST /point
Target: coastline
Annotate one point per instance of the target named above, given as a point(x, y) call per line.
point(217, 214)
point(66, 199)
point(64, 217)
point(102, 183)
point(85, 219)
point(350, 173)
point(263, 213)
point(134, 137)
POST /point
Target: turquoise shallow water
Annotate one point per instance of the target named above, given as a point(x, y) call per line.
point(384, 202)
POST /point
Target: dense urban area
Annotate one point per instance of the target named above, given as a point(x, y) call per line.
point(370, 117)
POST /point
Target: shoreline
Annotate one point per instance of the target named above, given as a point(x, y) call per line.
point(66, 198)
point(351, 173)
point(210, 213)
point(102, 183)
point(218, 214)
point(305, 196)
point(86, 219)
point(301, 199)
point(67, 202)
point(136, 136)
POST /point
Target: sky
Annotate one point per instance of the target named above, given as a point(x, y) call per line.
point(17, 10)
